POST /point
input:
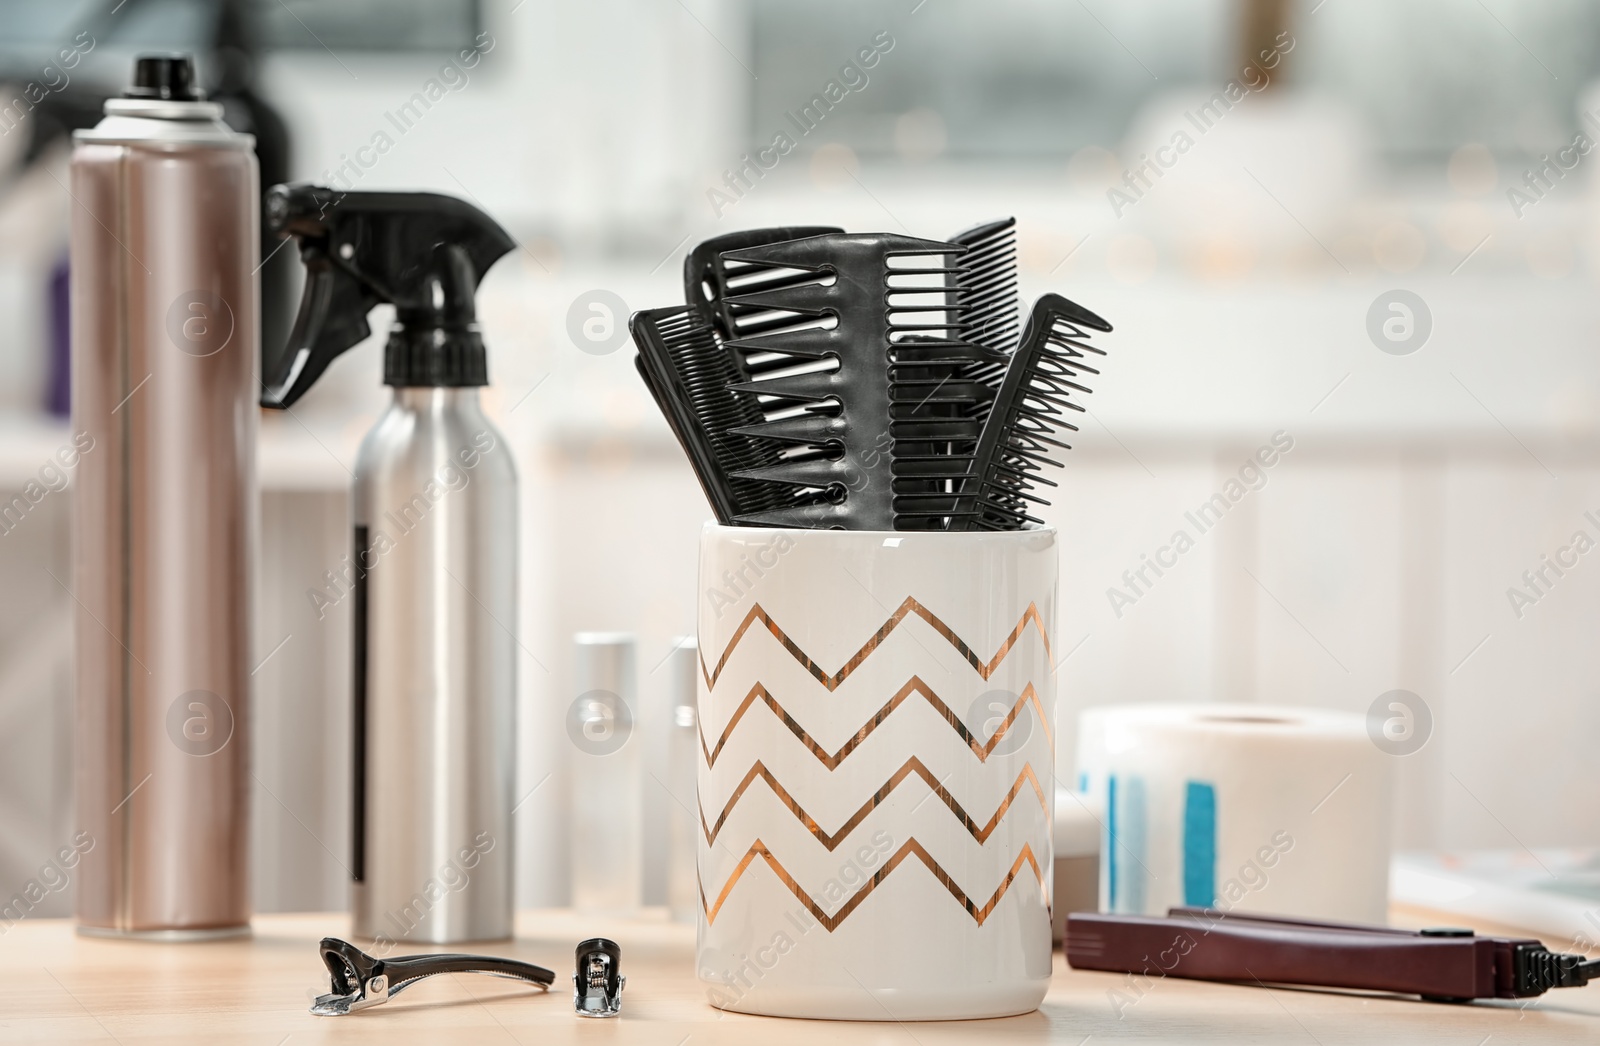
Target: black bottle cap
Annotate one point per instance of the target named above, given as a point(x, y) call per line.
point(169, 77)
point(431, 357)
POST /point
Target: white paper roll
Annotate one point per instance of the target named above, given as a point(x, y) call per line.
point(1252, 808)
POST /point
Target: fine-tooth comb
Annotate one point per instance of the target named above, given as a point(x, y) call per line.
point(867, 350)
point(983, 312)
point(1029, 409)
point(691, 378)
point(986, 285)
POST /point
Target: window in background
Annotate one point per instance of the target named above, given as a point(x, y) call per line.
point(368, 25)
point(1000, 79)
point(1428, 75)
point(1018, 79)
point(31, 31)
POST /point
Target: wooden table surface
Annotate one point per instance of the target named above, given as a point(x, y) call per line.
point(58, 987)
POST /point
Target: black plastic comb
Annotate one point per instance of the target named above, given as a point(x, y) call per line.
point(691, 378)
point(866, 349)
point(986, 285)
point(710, 280)
point(1030, 408)
point(982, 311)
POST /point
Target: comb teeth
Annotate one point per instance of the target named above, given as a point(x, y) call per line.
point(968, 348)
point(711, 282)
point(986, 285)
point(692, 378)
point(896, 387)
point(1030, 408)
point(867, 382)
point(978, 334)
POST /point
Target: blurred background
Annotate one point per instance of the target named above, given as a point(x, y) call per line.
point(1363, 227)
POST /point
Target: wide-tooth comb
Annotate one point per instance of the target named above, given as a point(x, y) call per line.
point(884, 383)
point(711, 280)
point(691, 378)
point(1030, 408)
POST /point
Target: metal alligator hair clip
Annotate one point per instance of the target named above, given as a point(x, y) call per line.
point(361, 980)
point(598, 981)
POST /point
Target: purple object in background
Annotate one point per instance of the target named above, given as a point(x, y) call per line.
point(58, 382)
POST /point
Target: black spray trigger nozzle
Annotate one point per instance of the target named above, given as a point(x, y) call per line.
point(424, 253)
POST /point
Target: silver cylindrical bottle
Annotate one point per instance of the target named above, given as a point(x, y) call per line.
point(605, 765)
point(683, 751)
point(164, 346)
point(434, 560)
point(435, 512)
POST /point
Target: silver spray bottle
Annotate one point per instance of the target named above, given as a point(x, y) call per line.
point(434, 562)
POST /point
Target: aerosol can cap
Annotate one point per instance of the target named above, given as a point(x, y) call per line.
point(423, 252)
point(169, 77)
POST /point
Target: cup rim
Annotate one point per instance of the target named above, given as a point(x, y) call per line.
point(712, 526)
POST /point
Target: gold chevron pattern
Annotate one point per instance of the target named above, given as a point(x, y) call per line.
point(914, 685)
point(912, 766)
point(908, 608)
point(911, 848)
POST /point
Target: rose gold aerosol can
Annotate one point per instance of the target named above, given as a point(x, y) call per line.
point(165, 243)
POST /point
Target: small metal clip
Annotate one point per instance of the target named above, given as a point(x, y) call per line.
point(361, 980)
point(597, 979)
